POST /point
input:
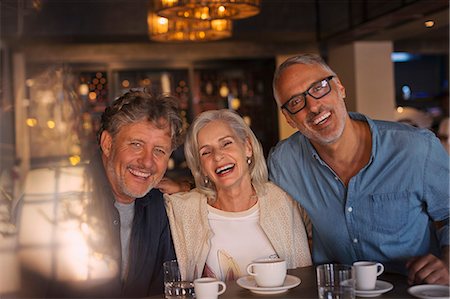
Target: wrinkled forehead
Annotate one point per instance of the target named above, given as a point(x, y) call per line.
point(297, 78)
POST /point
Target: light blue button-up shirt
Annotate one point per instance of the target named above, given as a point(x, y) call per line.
point(386, 212)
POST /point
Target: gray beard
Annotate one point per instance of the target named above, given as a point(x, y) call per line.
point(122, 185)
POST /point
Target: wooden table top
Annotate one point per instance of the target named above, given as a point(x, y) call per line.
point(308, 287)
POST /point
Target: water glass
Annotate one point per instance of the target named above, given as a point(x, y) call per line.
point(174, 285)
point(335, 281)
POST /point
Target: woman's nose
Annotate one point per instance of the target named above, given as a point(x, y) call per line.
point(218, 155)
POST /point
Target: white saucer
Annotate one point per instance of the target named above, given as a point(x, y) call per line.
point(249, 283)
point(380, 288)
point(430, 291)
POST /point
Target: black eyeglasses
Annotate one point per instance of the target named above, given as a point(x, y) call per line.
point(317, 90)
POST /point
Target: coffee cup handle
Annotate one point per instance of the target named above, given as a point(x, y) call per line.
point(249, 270)
point(380, 268)
point(224, 288)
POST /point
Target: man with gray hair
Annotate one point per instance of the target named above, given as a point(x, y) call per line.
point(372, 189)
point(111, 233)
point(137, 136)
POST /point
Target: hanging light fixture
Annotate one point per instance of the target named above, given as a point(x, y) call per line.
point(207, 10)
point(165, 30)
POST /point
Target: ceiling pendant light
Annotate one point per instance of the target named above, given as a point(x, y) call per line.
point(207, 10)
point(180, 30)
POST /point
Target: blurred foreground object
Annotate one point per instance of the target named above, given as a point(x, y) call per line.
point(58, 241)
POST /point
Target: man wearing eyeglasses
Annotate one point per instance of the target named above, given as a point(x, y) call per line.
point(373, 190)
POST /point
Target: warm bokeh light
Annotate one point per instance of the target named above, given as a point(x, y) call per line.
point(125, 83)
point(171, 164)
point(224, 91)
point(83, 89)
point(429, 23)
point(247, 120)
point(235, 104)
point(31, 122)
point(29, 82)
point(74, 160)
point(92, 96)
point(207, 10)
point(51, 124)
point(182, 29)
point(219, 25)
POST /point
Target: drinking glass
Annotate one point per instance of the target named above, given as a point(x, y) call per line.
point(174, 285)
point(335, 281)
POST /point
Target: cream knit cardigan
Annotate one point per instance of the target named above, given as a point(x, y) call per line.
point(280, 219)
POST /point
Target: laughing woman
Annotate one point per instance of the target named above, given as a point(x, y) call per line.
point(234, 215)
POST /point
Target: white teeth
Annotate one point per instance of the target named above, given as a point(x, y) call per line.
point(321, 118)
point(224, 168)
point(139, 173)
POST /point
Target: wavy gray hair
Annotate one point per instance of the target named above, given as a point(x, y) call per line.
point(136, 105)
point(257, 168)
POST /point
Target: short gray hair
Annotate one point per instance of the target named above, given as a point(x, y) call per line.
point(258, 167)
point(308, 59)
point(135, 106)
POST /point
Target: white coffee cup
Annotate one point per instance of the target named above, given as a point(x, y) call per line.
point(366, 274)
point(208, 288)
point(268, 272)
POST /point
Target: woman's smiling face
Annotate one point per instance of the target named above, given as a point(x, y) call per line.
point(223, 156)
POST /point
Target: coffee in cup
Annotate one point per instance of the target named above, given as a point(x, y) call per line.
point(268, 272)
point(366, 274)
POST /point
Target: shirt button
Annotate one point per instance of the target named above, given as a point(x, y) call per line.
point(350, 209)
point(355, 240)
point(336, 178)
point(116, 222)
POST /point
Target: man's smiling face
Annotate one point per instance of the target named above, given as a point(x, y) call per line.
point(322, 120)
point(136, 158)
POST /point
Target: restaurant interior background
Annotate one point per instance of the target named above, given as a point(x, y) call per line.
point(62, 61)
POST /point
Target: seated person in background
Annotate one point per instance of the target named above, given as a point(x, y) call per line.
point(414, 117)
point(372, 189)
point(235, 215)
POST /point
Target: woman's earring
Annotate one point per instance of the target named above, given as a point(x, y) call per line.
point(249, 160)
point(206, 180)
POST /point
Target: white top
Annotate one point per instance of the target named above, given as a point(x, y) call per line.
point(279, 218)
point(237, 240)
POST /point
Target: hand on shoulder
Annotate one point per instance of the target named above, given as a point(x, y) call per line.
point(170, 186)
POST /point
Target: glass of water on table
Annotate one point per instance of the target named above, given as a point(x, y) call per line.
point(174, 285)
point(335, 281)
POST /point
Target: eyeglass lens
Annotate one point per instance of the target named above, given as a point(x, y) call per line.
point(317, 90)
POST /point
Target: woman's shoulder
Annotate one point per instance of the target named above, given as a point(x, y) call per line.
point(182, 199)
point(273, 190)
point(276, 196)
